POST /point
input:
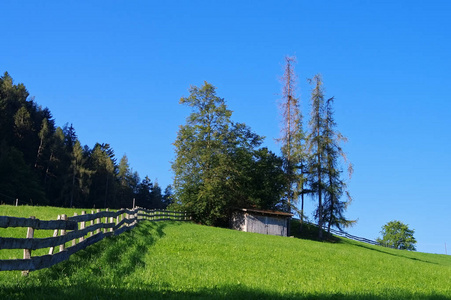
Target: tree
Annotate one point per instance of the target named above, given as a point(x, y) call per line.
point(397, 235)
point(79, 175)
point(293, 140)
point(316, 147)
point(334, 207)
point(168, 198)
point(210, 153)
point(143, 196)
point(43, 136)
point(267, 179)
point(102, 161)
point(324, 174)
point(48, 165)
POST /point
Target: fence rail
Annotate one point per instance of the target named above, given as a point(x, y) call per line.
point(80, 230)
point(347, 235)
point(353, 237)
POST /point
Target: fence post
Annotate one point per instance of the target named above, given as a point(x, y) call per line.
point(111, 222)
point(106, 221)
point(27, 252)
point(92, 223)
point(55, 233)
point(74, 241)
point(82, 226)
point(98, 221)
point(63, 232)
point(120, 218)
point(17, 201)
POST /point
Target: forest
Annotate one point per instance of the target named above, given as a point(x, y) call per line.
point(43, 164)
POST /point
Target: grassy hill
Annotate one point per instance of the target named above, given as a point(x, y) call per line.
point(187, 261)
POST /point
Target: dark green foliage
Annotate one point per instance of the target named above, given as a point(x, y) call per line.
point(47, 165)
point(324, 168)
point(217, 164)
point(398, 235)
point(17, 178)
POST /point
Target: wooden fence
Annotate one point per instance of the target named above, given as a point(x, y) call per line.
point(347, 235)
point(353, 237)
point(75, 234)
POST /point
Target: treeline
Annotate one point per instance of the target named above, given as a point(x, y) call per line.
point(220, 165)
point(43, 164)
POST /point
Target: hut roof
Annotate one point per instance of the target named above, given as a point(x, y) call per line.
point(266, 212)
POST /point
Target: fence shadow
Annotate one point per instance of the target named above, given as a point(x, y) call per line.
point(397, 253)
point(120, 255)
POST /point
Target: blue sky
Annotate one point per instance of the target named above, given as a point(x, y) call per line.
point(117, 69)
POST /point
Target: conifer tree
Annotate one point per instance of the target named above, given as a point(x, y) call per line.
point(334, 206)
point(79, 175)
point(324, 163)
point(293, 139)
point(316, 147)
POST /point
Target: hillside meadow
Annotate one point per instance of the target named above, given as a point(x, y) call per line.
point(176, 260)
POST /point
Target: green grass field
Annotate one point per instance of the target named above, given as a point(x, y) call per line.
point(40, 212)
point(175, 260)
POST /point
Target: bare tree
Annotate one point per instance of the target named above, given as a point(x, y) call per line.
point(292, 139)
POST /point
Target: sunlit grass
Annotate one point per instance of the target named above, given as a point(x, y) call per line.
point(39, 212)
point(188, 261)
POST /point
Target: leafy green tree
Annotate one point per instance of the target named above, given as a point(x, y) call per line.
point(210, 153)
point(397, 235)
point(267, 180)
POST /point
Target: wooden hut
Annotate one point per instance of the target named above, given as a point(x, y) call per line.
point(261, 221)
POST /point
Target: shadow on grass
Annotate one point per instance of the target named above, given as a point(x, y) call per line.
point(115, 256)
point(397, 253)
point(310, 232)
point(225, 292)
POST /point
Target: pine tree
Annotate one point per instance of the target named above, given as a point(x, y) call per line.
point(79, 175)
point(316, 147)
point(334, 207)
point(324, 168)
